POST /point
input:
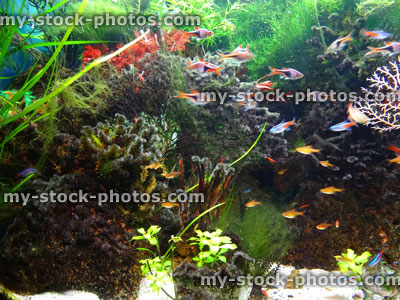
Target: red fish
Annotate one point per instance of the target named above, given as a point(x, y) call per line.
point(265, 86)
point(239, 55)
point(204, 67)
point(199, 33)
point(270, 159)
point(287, 73)
point(194, 97)
point(393, 148)
point(390, 48)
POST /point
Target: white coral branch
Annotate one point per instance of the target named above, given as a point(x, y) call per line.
point(383, 114)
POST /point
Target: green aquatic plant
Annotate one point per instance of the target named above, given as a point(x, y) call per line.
point(159, 268)
point(350, 263)
point(368, 7)
point(212, 247)
point(263, 232)
point(219, 19)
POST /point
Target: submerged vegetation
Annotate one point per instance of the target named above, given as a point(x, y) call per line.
point(169, 113)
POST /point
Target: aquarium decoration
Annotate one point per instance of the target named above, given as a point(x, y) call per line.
point(153, 144)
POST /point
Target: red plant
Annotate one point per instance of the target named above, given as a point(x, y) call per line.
point(90, 54)
point(175, 41)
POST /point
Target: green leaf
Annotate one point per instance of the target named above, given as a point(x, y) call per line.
point(222, 258)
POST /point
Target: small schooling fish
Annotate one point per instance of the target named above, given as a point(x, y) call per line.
point(195, 98)
point(27, 172)
point(252, 203)
point(169, 204)
point(330, 190)
point(393, 148)
point(390, 49)
point(287, 73)
point(339, 44)
point(323, 226)
point(270, 159)
point(291, 214)
point(376, 259)
point(307, 150)
point(281, 172)
point(376, 34)
point(356, 115)
point(395, 160)
point(343, 126)
point(204, 67)
point(239, 55)
point(281, 127)
point(199, 33)
point(249, 189)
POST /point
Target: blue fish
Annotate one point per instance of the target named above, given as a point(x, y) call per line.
point(27, 172)
point(281, 127)
point(343, 126)
point(249, 189)
point(376, 259)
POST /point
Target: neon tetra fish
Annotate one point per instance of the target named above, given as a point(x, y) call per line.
point(27, 172)
point(376, 34)
point(204, 67)
point(343, 126)
point(376, 259)
point(239, 55)
point(199, 33)
point(291, 214)
point(390, 48)
point(281, 127)
point(287, 73)
point(307, 150)
point(252, 203)
point(330, 190)
point(339, 44)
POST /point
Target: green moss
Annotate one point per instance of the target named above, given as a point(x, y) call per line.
point(263, 232)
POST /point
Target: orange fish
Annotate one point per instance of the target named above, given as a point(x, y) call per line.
point(330, 190)
point(172, 175)
point(281, 172)
point(291, 214)
point(140, 75)
point(169, 204)
point(326, 164)
point(323, 226)
point(194, 97)
point(337, 224)
point(391, 48)
point(395, 160)
point(393, 148)
point(270, 159)
point(154, 165)
point(307, 150)
point(265, 293)
point(252, 203)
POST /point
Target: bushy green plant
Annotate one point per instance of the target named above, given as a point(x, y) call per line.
point(212, 247)
point(219, 19)
point(263, 232)
point(350, 263)
point(157, 272)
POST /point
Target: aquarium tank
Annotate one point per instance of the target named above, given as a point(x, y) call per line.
point(199, 149)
